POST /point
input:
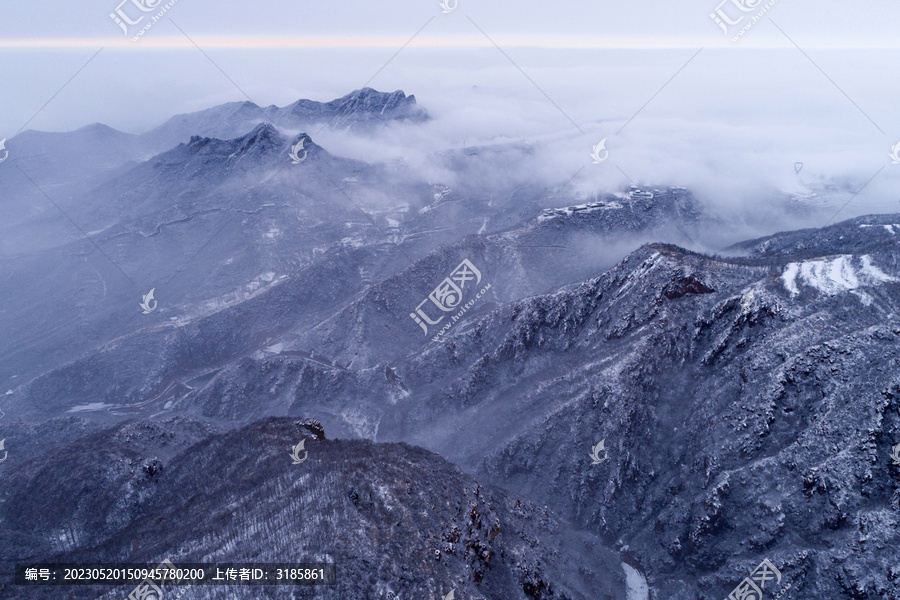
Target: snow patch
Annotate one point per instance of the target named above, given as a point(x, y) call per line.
point(833, 276)
point(749, 301)
point(866, 299)
point(567, 211)
point(275, 348)
point(92, 407)
point(889, 228)
point(872, 271)
point(789, 277)
point(635, 584)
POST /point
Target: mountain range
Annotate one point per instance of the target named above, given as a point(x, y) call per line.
point(746, 396)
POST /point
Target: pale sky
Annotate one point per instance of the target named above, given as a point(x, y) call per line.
point(816, 23)
point(277, 51)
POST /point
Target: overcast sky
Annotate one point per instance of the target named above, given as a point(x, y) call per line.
point(820, 21)
point(810, 81)
point(277, 49)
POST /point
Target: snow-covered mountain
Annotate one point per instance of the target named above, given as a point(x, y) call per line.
point(357, 111)
point(394, 519)
point(67, 166)
point(746, 398)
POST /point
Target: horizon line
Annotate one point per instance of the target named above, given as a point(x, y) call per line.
point(344, 42)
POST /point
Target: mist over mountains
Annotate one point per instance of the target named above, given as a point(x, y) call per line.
point(746, 391)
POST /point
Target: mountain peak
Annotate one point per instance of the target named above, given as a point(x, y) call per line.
point(265, 138)
point(263, 130)
point(262, 140)
point(99, 128)
point(370, 104)
point(368, 92)
point(359, 110)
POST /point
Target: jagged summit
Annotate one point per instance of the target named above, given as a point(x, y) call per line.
point(359, 110)
point(263, 139)
point(263, 142)
point(365, 103)
point(261, 132)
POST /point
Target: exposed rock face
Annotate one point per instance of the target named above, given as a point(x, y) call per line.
point(686, 285)
point(747, 413)
point(314, 427)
